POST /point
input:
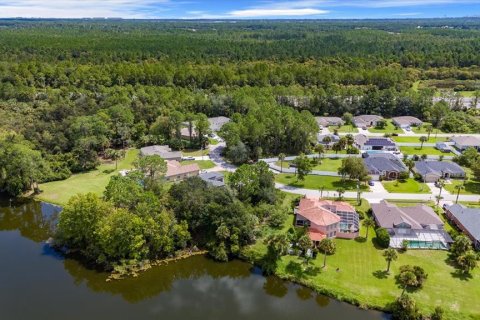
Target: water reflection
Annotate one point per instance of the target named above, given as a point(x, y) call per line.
point(38, 283)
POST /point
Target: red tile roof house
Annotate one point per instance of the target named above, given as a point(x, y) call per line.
point(177, 172)
point(327, 219)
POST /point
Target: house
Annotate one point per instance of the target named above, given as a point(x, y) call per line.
point(464, 142)
point(163, 151)
point(365, 121)
point(385, 166)
point(216, 123)
point(333, 139)
point(216, 179)
point(329, 121)
point(442, 146)
point(185, 133)
point(376, 143)
point(406, 122)
point(466, 219)
point(432, 171)
point(327, 219)
point(419, 225)
point(176, 171)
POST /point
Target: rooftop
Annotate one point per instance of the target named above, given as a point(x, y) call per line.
point(468, 217)
point(312, 209)
point(377, 163)
point(175, 168)
point(438, 168)
point(216, 179)
point(162, 151)
point(390, 216)
point(386, 142)
point(466, 141)
point(216, 123)
point(407, 120)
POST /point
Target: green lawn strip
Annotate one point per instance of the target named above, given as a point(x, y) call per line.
point(425, 150)
point(203, 164)
point(343, 129)
point(329, 164)
point(194, 153)
point(389, 128)
point(59, 192)
point(316, 182)
point(330, 151)
point(408, 186)
point(422, 129)
point(212, 141)
point(283, 164)
point(409, 139)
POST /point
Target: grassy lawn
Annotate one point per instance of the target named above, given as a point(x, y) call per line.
point(471, 186)
point(329, 151)
point(344, 129)
point(425, 150)
point(407, 139)
point(422, 129)
point(329, 164)
point(317, 182)
point(389, 128)
point(95, 181)
point(212, 141)
point(194, 153)
point(356, 273)
point(409, 186)
point(203, 164)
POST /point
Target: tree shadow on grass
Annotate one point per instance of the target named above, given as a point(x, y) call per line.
point(380, 274)
point(301, 270)
point(458, 274)
point(360, 239)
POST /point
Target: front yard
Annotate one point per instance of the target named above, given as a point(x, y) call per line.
point(316, 182)
point(413, 139)
point(408, 186)
point(431, 151)
point(203, 164)
point(389, 128)
point(343, 129)
point(471, 186)
point(422, 129)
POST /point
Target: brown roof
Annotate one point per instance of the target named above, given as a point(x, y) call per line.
point(312, 210)
point(418, 217)
point(174, 168)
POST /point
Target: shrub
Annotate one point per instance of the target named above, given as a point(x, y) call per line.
point(383, 237)
point(402, 176)
point(405, 308)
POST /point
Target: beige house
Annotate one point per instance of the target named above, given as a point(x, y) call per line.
point(177, 172)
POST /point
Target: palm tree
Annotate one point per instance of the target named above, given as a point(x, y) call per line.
point(439, 197)
point(281, 157)
point(459, 187)
point(368, 223)
point(390, 255)
point(320, 150)
point(340, 191)
point(115, 155)
point(429, 129)
point(440, 184)
point(327, 246)
point(422, 139)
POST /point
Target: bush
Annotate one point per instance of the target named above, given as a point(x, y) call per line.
point(353, 150)
point(402, 176)
point(405, 308)
point(417, 176)
point(383, 237)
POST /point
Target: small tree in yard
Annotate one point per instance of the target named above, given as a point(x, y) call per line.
point(437, 314)
point(467, 261)
point(340, 191)
point(305, 244)
point(460, 246)
point(327, 246)
point(411, 277)
point(320, 149)
point(429, 129)
point(422, 139)
point(390, 255)
point(281, 157)
point(367, 224)
point(405, 308)
point(383, 237)
point(303, 165)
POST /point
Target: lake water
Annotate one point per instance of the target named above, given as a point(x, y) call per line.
point(38, 283)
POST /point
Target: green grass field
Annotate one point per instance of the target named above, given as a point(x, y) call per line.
point(422, 129)
point(407, 139)
point(343, 129)
point(431, 151)
point(355, 273)
point(203, 164)
point(194, 153)
point(317, 182)
point(409, 186)
point(389, 128)
point(329, 164)
point(471, 186)
point(330, 151)
point(95, 181)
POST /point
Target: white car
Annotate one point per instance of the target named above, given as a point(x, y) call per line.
point(188, 158)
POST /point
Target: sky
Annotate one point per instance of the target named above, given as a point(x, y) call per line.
point(239, 9)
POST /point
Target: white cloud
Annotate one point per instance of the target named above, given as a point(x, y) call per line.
point(394, 3)
point(83, 8)
point(252, 13)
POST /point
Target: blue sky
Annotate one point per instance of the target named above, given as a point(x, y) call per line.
point(239, 9)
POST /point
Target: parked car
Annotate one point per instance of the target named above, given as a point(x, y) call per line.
point(370, 183)
point(188, 158)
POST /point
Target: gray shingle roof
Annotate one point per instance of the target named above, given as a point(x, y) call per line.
point(438, 167)
point(407, 120)
point(216, 123)
point(386, 142)
point(468, 217)
point(163, 151)
point(467, 141)
point(216, 179)
point(419, 217)
point(378, 162)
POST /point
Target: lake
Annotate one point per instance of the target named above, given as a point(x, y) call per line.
point(38, 283)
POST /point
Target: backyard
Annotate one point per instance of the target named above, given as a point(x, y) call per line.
point(59, 192)
point(317, 182)
point(327, 164)
point(408, 186)
point(203, 164)
point(194, 153)
point(389, 128)
point(431, 151)
point(356, 273)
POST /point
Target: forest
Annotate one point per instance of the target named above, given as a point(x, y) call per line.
point(73, 90)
